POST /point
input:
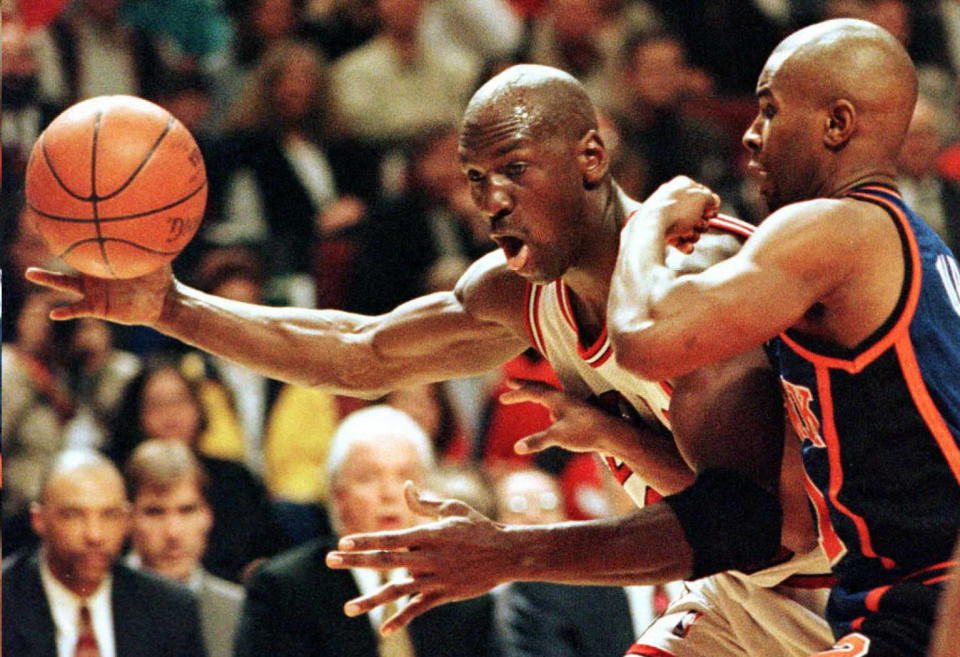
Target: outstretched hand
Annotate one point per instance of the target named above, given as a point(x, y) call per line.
point(576, 425)
point(125, 301)
point(460, 555)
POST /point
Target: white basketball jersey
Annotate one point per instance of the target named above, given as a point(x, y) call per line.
point(590, 372)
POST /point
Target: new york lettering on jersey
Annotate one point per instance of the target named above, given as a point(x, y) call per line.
point(880, 424)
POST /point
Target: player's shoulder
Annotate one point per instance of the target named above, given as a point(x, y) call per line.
point(824, 223)
point(490, 291)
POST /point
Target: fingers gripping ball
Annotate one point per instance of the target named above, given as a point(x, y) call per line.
point(116, 186)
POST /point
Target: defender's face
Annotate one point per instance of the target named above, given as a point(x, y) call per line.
point(169, 528)
point(784, 142)
point(532, 194)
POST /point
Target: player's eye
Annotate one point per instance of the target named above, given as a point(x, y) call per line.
point(768, 111)
point(474, 176)
point(516, 169)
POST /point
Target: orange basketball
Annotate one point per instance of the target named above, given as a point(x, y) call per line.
point(116, 186)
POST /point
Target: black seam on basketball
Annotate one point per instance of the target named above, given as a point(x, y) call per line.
point(56, 176)
point(153, 149)
point(123, 217)
point(104, 240)
point(94, 198)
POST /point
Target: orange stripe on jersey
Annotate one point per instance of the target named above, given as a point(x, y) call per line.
point(942, 578)
point(872, 601)
point(903, 323)
point(732, 225)
point(836, 467)
point(944, 565)
point(926, 406)
point(831, 544)
point(532, 317)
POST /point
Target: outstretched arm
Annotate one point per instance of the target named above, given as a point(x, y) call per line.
point(438, 336)
point(729, 425)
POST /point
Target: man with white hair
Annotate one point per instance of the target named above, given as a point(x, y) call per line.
point(294, 603)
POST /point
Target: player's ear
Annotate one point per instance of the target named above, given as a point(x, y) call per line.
point(593, 159)
point(840, 121)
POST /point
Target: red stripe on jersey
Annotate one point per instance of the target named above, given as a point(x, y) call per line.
point(648, 651)
point(604, 356)
point(836, 466)
point(927, 408)
point(732, 225)
point(944, 565)
point(532, 318)
point(563, 301)
point(620, 471)
point(934, 580)
point(902, 325)
point(651, 496)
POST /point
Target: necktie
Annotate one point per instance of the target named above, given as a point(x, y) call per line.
point(86, 639)
point(397, 644)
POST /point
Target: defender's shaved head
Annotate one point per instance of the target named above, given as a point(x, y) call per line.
point(853, 60)
point(529, 100)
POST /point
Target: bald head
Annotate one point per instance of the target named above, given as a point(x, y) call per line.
point(853, 60)
point(77, 464)
point(530, 100)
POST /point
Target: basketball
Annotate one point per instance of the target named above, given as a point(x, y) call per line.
point(116, 186)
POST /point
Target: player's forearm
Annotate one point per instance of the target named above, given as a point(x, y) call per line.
point(645, 547)
point(653, 457)
point(641, 278)
point(309, 347)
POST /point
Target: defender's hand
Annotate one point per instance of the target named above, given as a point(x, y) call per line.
point(124, 301)
point(461, 555)
point(682, 206)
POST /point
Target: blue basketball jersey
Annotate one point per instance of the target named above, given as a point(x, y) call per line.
point(880, 426)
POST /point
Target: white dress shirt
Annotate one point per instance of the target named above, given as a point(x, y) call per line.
point(65, 607)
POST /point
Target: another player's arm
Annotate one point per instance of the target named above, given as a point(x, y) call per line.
point(663, 325)
point(438, 336)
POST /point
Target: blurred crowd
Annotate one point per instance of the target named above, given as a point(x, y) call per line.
point(329, 131)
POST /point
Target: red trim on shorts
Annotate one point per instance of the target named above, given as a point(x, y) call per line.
point(810, 582)
point(649, 651)
point(872, 601)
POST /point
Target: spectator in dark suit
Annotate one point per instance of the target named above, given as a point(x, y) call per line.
point(73, 597)
point(171, 520)
point(294, 605)
point(543, 618)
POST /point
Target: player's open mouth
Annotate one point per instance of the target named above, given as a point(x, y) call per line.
point(516, 250)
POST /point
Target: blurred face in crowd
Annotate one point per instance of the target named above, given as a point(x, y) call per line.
point(918, 155)
point(368, 489)
point(169, 409)
point(659, 74)
point(296, 85)
point(529, 497)
point(81, 519)
point(400, 17)
point(169, 528)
